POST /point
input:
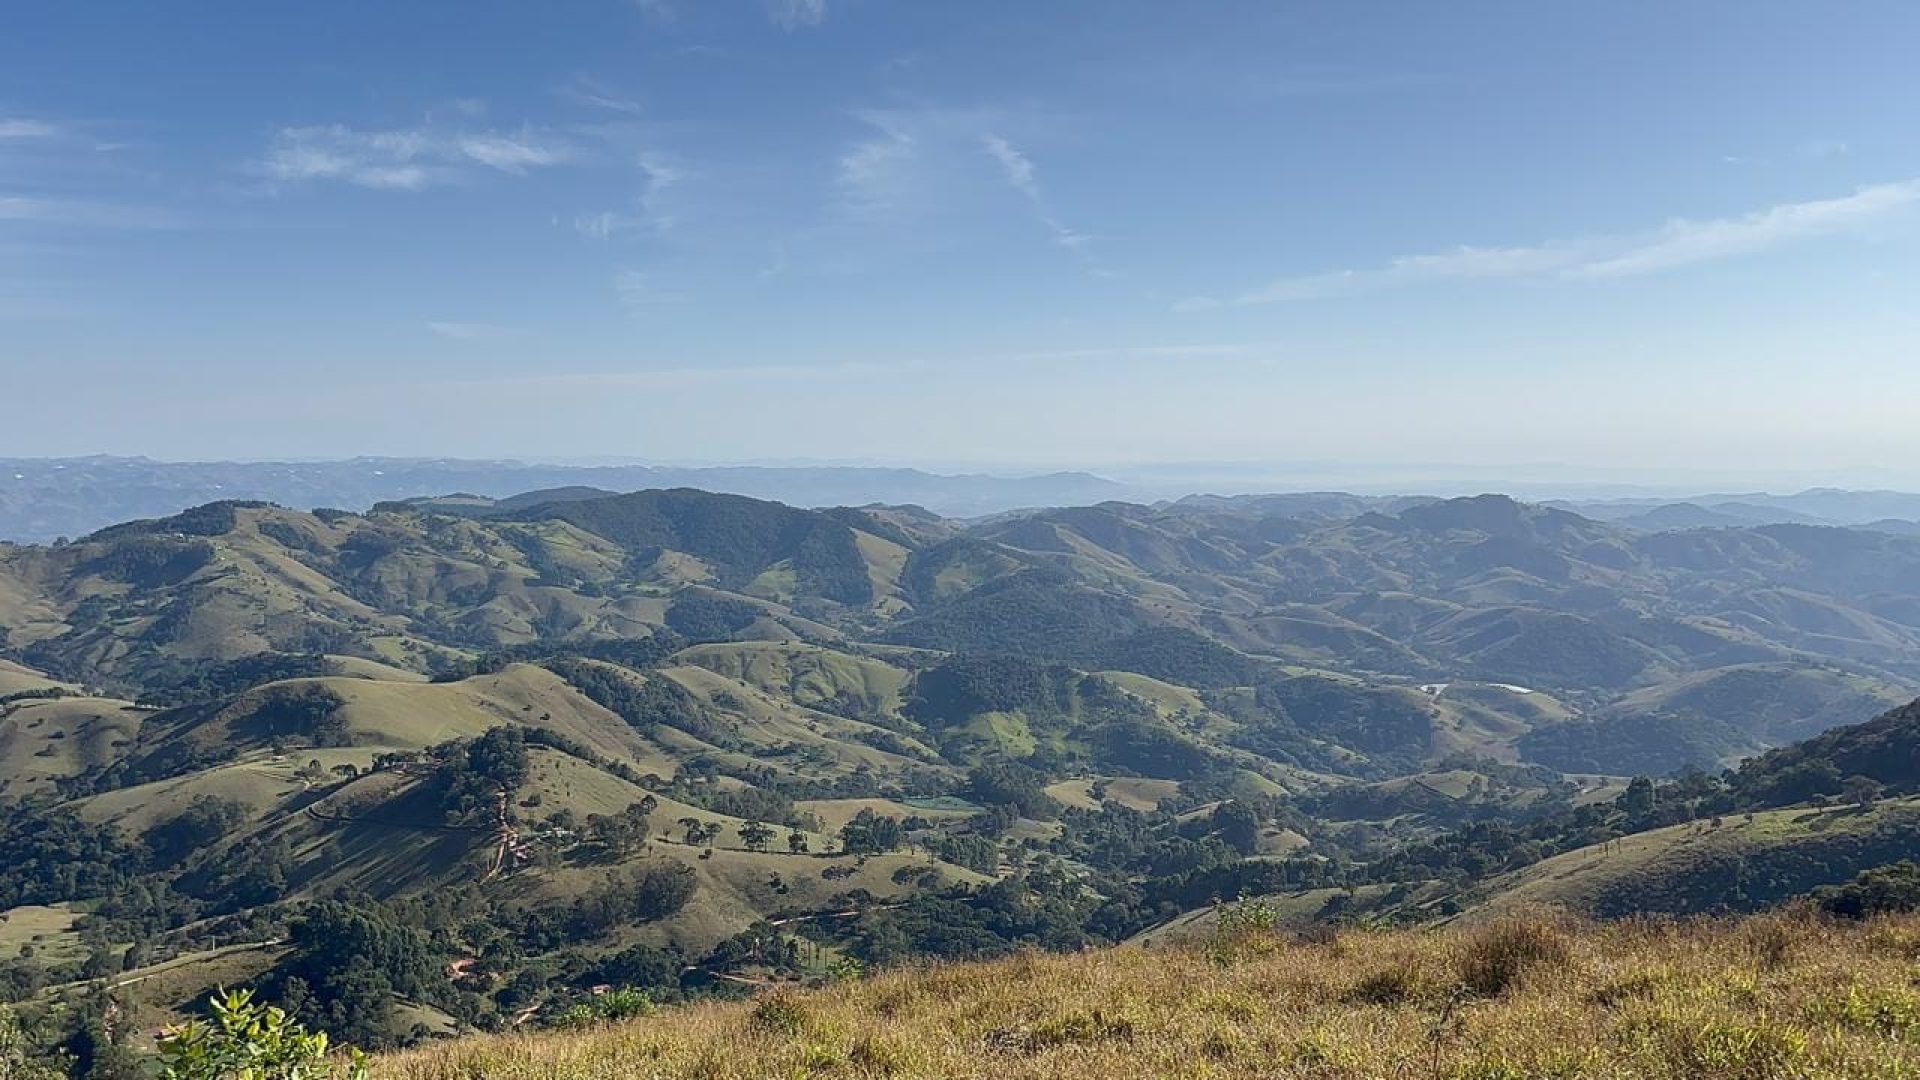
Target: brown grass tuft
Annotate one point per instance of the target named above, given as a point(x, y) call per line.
point(1527, 997)
point(1501, 955)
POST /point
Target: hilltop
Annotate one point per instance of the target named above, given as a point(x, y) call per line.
point(1771, 997)
point(44, 498)
point(1667, 650)
point(452, 764)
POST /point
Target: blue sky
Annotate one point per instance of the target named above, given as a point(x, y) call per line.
point(1648, 237)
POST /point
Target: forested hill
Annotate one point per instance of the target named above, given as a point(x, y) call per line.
point(453, 763)
point(42, 498)
point(1648, 651)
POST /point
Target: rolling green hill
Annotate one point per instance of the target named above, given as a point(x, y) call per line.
point(687, 742)
point(1735, 863)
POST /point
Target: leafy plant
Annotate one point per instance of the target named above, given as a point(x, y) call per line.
point(18, 1058)
point(622, 1004)
point(248, 1040)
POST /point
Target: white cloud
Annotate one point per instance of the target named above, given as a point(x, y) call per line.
point(511, 154)
point(875, 171)
point(1020, 175)
point(588, 91)
point(663, 378)
point(467, 331)
point(35, 210)
point(660, 174)
point(1129, 352)
point(404, 159)
point(793, 14)
point(21, 128)
point(1018, 167)
point(638, 291)
point(925, 163)
point(1681, 242)
point(1823, 148)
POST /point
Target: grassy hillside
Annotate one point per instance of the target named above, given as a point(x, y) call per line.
point(44, 741)
point(1766, 998)
point(1710, 719)
point(1747, 637)
point(1739, 862)
point(683, 742)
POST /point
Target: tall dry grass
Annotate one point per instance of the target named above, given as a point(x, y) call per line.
point(1777, 996)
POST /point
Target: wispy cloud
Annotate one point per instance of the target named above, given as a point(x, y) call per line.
point(873, 172)
point(407, 159)
point(927, 162)
point(662, 378)
point(659, 175)
point(1823, 148)
point(1020, 174)
point(1018, 168)
point(23, 128)
point(84, 214)
point(1130, 352)
point(638, 290)
point(467, 331)
point(1680, 242)
point(584, 90)
point(794, 14)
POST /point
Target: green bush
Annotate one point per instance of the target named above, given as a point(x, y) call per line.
point(622, 1004)
point(19, 1059)
point(250, 1041)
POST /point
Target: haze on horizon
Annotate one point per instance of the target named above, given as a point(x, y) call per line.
point(1631, 241)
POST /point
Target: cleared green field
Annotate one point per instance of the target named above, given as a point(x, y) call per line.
point(1737, 862)
point(263, 782)
point(805, 674)
point(46, 931)
point(835, 813)
point(42, 741)
point(1294, 911)
point(1133, 792)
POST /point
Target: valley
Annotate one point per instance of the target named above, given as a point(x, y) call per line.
point(459, 764)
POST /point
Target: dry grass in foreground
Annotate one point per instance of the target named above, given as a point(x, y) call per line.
point(1529, 996)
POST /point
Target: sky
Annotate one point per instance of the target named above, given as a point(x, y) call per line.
point(1640, 238)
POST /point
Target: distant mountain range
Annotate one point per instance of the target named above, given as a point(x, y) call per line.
point(1669, 648)
point(45, 498)
point(665, 734)
point(1894, 511)
point(42, 499)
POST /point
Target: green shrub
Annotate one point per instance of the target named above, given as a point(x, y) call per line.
point(780, 1013)
point(19, 1059)
point(622, 1004)
point(250, 1041)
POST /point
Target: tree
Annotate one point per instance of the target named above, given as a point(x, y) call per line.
point(1863, 791)
point(205, 822)
point(797, 842)
point(871, 834)
point(19, 1059)
point(251, 1041)
point(1237, 825)
point(354, 958)
point(755, 835)
point(1640, 798)
point(1891, 888)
